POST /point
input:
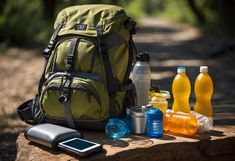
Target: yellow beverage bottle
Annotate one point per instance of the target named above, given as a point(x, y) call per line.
point(203, 89)
point(180, 123)
point(181, 90)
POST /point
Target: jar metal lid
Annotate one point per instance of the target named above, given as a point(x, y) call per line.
point(138, 113)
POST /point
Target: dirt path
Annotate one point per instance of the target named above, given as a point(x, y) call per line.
point(169, 44)
point(19, 75)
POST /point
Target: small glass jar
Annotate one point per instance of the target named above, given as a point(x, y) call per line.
point(159, 100)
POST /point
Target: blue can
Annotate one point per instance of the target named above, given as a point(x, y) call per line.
point(154, 123)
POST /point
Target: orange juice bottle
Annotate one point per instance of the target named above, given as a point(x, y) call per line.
point(203, 89)
point(180, 123)
point(181, 90)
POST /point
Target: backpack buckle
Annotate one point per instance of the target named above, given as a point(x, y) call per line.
point(50, 47)
point(65, 85)
point(46, 53)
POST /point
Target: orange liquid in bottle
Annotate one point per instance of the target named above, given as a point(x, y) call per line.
point(180, 123)
point(181, 90)
point(203, 90)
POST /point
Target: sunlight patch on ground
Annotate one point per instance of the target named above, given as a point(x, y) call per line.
point(173, 32)
point(162, 75)
point(173, 63)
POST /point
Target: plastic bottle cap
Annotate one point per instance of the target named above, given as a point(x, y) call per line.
point(203, 69)
point(181, 70)
point(143, 57)
point(154, 113)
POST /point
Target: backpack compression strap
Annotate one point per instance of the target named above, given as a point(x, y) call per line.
point(112, 89)
point(66, 94)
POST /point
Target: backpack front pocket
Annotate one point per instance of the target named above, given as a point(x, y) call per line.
point(85, 99)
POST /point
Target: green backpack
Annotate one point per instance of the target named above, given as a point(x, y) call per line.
point(88, 63)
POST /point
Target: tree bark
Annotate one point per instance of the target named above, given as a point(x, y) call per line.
point(48, 9)
point(198, 13)
point(227, 15)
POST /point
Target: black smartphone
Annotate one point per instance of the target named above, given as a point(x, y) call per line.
point(80, 147)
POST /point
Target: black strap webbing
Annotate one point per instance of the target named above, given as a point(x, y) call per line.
point(126, 87)
point(47, 53)
point(133, 49)
point(71, 55)
point(108, 71)
point(67, 88)
point(52, 42)
point(69, 116)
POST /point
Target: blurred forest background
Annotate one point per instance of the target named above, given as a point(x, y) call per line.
point(29, 23)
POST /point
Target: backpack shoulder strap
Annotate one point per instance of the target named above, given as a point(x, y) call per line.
point(52, 42)
point(47, 52)
point(112, 89)
point(130, 25)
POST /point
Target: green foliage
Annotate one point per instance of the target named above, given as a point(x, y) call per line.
point(21, 22)
point(135, 8)
point(176, 10)
point(180, 11)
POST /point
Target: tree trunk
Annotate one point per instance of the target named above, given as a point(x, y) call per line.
point(48, 9)
point(227, 16)
point(198, 13)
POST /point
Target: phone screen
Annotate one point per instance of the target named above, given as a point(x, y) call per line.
point(79, 144)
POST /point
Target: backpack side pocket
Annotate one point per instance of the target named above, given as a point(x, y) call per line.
point(30, 112)
point(38, 116)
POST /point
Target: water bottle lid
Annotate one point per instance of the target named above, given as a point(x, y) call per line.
point(203, 69)
point(154, 113)
point(143, 57)
point(137, 112)
point(181, 69)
